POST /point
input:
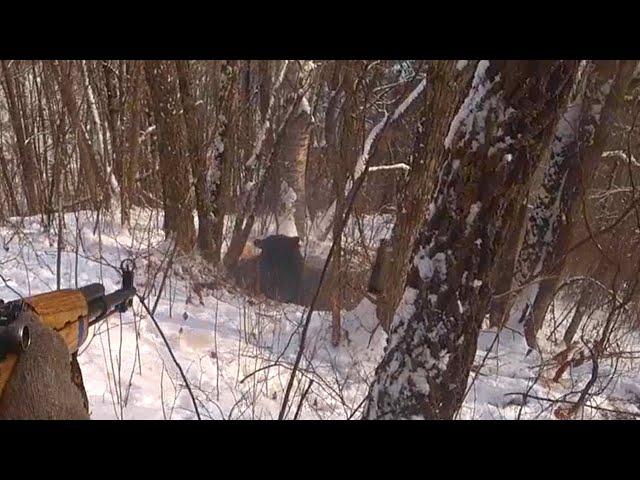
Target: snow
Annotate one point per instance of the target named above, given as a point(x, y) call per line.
point(601, 97)
point(395, 166)
point(286, 221)
point(237, 351)
point(427, 266)
point(380, 127)
point(622, 154)
point(366, 150)
point(479, 87)
point(304, 106)
point(218, 343)
point(415, 93)
point(473, 213)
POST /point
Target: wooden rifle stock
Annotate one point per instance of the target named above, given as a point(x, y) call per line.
point(69, 312)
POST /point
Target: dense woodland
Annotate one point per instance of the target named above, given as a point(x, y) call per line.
point(509, 188)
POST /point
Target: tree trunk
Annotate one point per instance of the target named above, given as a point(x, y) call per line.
point(13, 204)
point(28, 168)
point(446, 86)
point(497, 138)
point(295, 149)
point(114, 110)
point(200, 171)
point(344, 147)
point(223, 188)
point(174, 166)
point(90, 168)
point(131, 152)
point(582, 306)
point(579, 142)
point(502, 274)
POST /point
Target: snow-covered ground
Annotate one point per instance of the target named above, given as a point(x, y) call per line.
point(237, 351)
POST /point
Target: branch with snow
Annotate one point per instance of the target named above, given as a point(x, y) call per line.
point(395, 166)
point(621, 154)
point(382, 126)
point(371, 141)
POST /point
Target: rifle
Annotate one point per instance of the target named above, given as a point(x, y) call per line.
point(69, 312)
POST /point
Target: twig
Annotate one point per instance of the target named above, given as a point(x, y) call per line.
point(164, 339)
point(164, 276)
point(554, 400)
point(304, 395)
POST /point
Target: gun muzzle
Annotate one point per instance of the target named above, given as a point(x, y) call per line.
point(14, 338)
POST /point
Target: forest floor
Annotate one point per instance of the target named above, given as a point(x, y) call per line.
point(237, 351)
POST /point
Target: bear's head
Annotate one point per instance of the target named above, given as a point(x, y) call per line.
point(277, 243)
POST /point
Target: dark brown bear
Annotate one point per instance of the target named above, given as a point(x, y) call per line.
point(280, 273)
point(280, 267)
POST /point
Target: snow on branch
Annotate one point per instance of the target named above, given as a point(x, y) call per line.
point(383, 125)
point(472, 104)
point(395, 166)
point(621, 154)
point(409, 100)
point(374, 135)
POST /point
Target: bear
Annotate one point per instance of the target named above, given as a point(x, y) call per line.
point(280, 268)
point(281, 273)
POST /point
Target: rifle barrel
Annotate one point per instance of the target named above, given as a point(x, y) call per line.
point(104, 305)
point(92, 291)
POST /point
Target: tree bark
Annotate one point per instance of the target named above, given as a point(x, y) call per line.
point(582, 306)
point(90, 167)
point(502, 274)
point(131, 138)
point(446, 86)
point(174, 165)
point(497, 138)
point(344, 146)
point(24, 145)
point(295, 149)
point(223, 188)
point(575, 153)
point(199, 168)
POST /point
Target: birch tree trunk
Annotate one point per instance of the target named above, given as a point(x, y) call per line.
point(295, 149)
